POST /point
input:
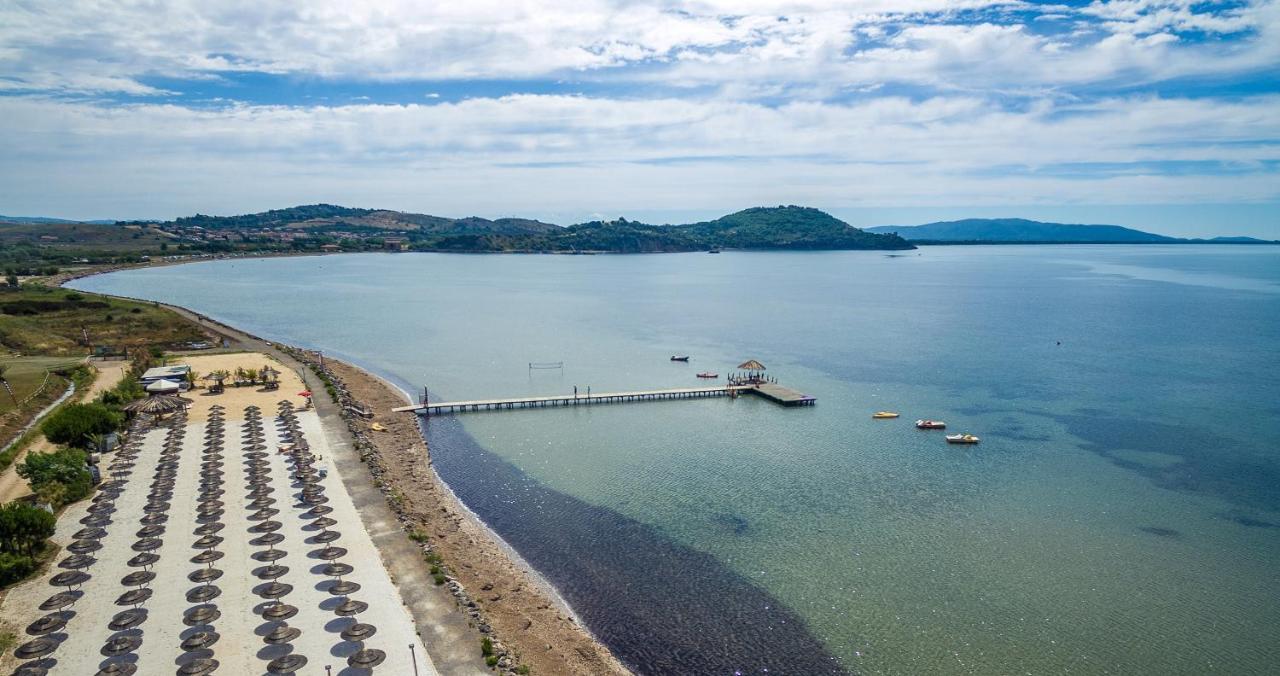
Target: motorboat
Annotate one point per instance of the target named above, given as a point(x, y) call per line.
point(962, 439)
point(931, 425)
point(708, 375)
point(713, 251)
point(676, 357)
point(884, 415)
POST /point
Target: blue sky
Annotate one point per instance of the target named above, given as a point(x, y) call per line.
point(1161, 114)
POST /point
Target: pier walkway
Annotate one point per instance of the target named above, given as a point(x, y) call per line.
point(771, 391)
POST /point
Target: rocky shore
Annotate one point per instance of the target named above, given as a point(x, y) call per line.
point(528, 628)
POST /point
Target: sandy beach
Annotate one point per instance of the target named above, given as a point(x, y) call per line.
point(171, 593)
point(409, 511)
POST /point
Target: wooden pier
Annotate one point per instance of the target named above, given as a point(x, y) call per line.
point(771, 391)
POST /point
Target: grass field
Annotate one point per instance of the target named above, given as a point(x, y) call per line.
point(81, 235)
point(25, 374)
point(56, 322)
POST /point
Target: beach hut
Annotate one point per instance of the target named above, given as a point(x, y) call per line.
point(754, 370)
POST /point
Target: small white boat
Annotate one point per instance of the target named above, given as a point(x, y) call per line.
point(931, 425)
point(962, 439)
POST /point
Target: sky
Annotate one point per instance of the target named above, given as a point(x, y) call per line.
point(1158, 114)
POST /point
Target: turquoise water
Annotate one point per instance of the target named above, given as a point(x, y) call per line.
point(1122, 514)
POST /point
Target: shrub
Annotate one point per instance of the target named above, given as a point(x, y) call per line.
point(486, 646)
point(14, 568)
point(73, 423)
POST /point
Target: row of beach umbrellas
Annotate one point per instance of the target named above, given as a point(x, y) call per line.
point(86, 541)
point(311, 496)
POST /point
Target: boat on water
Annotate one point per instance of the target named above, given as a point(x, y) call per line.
point(884, 415)
point(677, 357)
point(708, 375)
point(962, 439)
point(931, 425)
point(713, 251)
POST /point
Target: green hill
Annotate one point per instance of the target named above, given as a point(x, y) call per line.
point(1008, 230)
point(788, 227)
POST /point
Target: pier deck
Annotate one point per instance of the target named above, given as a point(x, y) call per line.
point(775, 393)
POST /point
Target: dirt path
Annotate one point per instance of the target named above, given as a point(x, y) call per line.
point(13, 486)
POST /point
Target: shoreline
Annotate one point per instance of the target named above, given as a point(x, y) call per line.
point(507, 600)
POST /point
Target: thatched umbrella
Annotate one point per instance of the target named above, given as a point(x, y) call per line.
point(138, 578)
point(358, 632)
point(204, 574)
point(268, 540)
point(147, 544)
point(150, 530)
point(350, 607)
point(118, 669)
point(337, 569)
point(134, 597)
point(287, 664)
point(36, 647)
point(269, 555)
point(271, 572)
point(84, 546)
point(279, 611)
point(31, 669)
point(121, 644)
point(47, 625)
point(58, 601)
point(344, 587)
point(281, 634)
point(330, 553)
point(366, 658)
point(201, 615)
point(143, 560)
point(159, 404)
point(325, 537)
point(127, 619)
point(206, 556)
point(204, 593)
point(199, 640)
point(273, 590)
point(77, 561)
point(198, 667)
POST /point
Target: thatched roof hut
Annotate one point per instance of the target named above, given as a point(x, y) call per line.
point(751, 365)
point(157, 405)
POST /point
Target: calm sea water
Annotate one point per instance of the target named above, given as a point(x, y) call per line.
point(1122, 514)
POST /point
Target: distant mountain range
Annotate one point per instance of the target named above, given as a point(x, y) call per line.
point(329, 227)
point(45, 219)
point(782, 227)
point(1023, 231)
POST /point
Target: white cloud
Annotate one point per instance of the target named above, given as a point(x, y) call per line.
point(524, 154)
point(85, 45)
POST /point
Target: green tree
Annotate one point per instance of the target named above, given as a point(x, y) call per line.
point(57, 478)
point(73, 424)
point(24, 528)
point(12, 280)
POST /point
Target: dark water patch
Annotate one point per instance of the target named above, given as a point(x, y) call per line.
point(1208, 463)
point(662, 608)
point(1162, 532)
point(1248, 521)
point(732, 523)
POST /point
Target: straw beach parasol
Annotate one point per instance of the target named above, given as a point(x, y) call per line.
point(157, 405)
